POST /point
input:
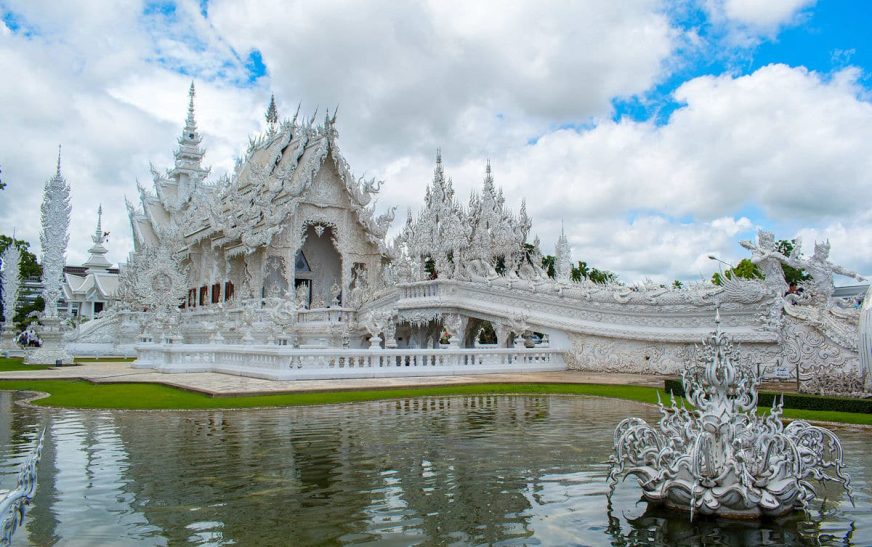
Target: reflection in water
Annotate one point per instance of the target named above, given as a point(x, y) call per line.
point(465, 470)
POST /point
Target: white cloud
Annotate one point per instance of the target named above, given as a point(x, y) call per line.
point(792, 144)
point(850, 241)
point(768, 14)
point(748, 21)
point(641, 199)
point(467, 76)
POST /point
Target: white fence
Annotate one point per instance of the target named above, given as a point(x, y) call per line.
point(285, 363)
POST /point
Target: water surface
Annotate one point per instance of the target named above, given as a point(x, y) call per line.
point(506, 470)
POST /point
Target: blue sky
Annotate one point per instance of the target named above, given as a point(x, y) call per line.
point(658, 132)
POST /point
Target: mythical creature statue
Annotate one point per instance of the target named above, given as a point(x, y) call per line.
point(821, 269)
point(721, 458)
point(769, 259)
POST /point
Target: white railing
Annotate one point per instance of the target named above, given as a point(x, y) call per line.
point(260, 308)
point(421, 289)
point(282, 362)
point(13, 504)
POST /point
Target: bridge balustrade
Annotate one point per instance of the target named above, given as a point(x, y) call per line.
point(283, 362)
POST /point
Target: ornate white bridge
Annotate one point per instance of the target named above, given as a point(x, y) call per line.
point(641, 329)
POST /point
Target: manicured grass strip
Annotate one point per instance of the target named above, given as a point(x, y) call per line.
point(11, 364)
point(798, 401)
point(828, 416)
point(81, 394)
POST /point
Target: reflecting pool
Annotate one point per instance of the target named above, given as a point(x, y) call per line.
point(449, 470)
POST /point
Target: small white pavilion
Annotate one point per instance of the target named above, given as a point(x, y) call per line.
point(91, 288)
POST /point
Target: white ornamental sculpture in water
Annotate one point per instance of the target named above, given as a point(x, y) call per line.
point(720, 458)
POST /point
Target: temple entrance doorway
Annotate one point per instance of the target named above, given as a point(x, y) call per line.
point(324, 264)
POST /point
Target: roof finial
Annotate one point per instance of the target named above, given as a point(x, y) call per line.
point(98, 232)
point(190, 121)
point(272, 113)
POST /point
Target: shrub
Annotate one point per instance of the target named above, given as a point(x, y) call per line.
point(797, 401)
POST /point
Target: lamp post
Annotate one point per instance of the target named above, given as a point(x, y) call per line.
point(716, 259)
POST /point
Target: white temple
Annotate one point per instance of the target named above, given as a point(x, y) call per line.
point(283, 270)
point(91, 288)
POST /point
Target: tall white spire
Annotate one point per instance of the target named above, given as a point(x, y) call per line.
point(10, 276)
point(563, 257)
point(97, 262)
point(191, 123)
point(54, 237)
point(188, 170)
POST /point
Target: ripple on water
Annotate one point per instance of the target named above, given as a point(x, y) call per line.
point(502, 470)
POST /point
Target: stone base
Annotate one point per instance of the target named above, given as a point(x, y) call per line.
point(7, 341)
point(52, 350)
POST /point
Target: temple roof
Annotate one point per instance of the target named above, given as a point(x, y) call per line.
point(245, 211)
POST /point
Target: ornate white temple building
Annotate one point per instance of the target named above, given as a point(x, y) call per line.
point(291, 222)
point(283, 270)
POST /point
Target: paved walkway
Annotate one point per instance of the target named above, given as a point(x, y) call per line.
point(225, 385)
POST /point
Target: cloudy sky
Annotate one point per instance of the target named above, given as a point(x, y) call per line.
point(658, 132)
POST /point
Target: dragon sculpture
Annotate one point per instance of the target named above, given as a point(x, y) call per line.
point(720, 458)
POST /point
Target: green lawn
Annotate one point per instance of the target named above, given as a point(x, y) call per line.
point(8, 364)
point(82, 394)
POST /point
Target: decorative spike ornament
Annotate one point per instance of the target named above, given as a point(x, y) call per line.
point(563, 257)
point(54, 238)
point(272, 114)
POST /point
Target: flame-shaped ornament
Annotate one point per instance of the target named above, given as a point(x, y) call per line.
point(720, 458)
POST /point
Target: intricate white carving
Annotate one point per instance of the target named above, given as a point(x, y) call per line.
point(54, 239)
point(720, 458)
point(10, 277)
point(13, 504)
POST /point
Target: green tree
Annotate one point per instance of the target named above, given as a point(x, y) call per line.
point(548, 266)
point(744, 269)
point(579, 272)
point(21, 320)
point(677, 284)
point(583, 271)
point(791, 274)
point(430, 268)
point(602, 276)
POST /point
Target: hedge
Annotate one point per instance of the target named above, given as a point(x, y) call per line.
point(795, 400)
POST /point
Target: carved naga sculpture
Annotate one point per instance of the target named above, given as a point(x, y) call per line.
point(721, 458)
